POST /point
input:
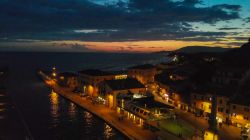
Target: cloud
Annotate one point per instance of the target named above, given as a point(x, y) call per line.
point(88, 21)
point(155, 47)
point(44, 46)
point(79, 47)
point(76, 47)
point(131, 48)
point(233, 8)
point(229, 28)
point(247, 19)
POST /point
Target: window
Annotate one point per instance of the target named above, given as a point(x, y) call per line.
point(245, 117)
point(133, 108)
point(234, 107)
point(141, 111)
point(195, 97)
point(246, 109)
point(220, 101)
point(220, 109)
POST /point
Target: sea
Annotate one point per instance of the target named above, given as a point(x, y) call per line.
point(44, 115)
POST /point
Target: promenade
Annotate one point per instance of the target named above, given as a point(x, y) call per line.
point(125, 126)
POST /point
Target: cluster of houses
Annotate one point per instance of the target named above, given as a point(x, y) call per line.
point(125, 92)
point(181, 85)
point(192, 83)
point(128, 92)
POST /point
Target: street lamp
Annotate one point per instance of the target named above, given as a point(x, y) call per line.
point(54, 72)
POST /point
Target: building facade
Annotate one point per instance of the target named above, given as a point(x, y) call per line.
point(202, 104)
point(89, 81)
point(110, 89)
point(239, 114)
point(68, 79)
point(143, 73)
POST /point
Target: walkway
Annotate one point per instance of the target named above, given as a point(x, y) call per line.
point(125, 126)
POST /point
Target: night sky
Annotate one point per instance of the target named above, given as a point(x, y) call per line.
point(122, 25)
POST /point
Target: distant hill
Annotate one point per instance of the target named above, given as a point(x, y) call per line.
point(198, 49)
point(161, 52)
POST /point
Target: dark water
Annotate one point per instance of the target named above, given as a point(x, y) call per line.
point(49, 116)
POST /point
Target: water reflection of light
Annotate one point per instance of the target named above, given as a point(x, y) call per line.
point(54, 98)
point(107, 131)
point(54, 109)
point(2, 108)
point(72, 111)
point(88, 117)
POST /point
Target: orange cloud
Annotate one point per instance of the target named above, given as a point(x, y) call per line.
point(143, 46)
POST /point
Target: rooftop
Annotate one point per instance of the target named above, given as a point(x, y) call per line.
point(231, 69)
point(123, 84)
point(68, 74)
point(149, 103)
point(242, 94)
point(95, 72)
point(241, 100)
point(225, 91)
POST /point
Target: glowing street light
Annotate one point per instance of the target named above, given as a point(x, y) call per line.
point(54, 72)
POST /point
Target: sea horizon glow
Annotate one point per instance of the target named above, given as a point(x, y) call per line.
point(122, 25)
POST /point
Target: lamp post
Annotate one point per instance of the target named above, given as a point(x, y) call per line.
point(211, 133)
point(53, 74)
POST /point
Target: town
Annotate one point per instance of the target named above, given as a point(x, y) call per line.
point(125, 70)
point(193, 96)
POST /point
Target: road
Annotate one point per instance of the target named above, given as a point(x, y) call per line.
point(227, 132)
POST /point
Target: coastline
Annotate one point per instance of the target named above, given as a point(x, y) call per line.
point(126, 127)
point(88, 108)
point(109, 116)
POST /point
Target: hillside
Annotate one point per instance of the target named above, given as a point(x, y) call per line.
point(198, 49)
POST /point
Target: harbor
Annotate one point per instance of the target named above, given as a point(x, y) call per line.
point(110, 116)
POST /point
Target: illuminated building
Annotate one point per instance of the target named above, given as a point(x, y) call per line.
point(235, 85)
point(240, 112)
point(176, 82)
point(111, 88)
point(177, 94)
point(143, 73)
point(202, 105)
point(90, 80)
point(142, 111)
point(227, 76)
point(67, 79)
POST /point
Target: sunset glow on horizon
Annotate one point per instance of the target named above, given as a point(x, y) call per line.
point(122, 25)
point(124, 46)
